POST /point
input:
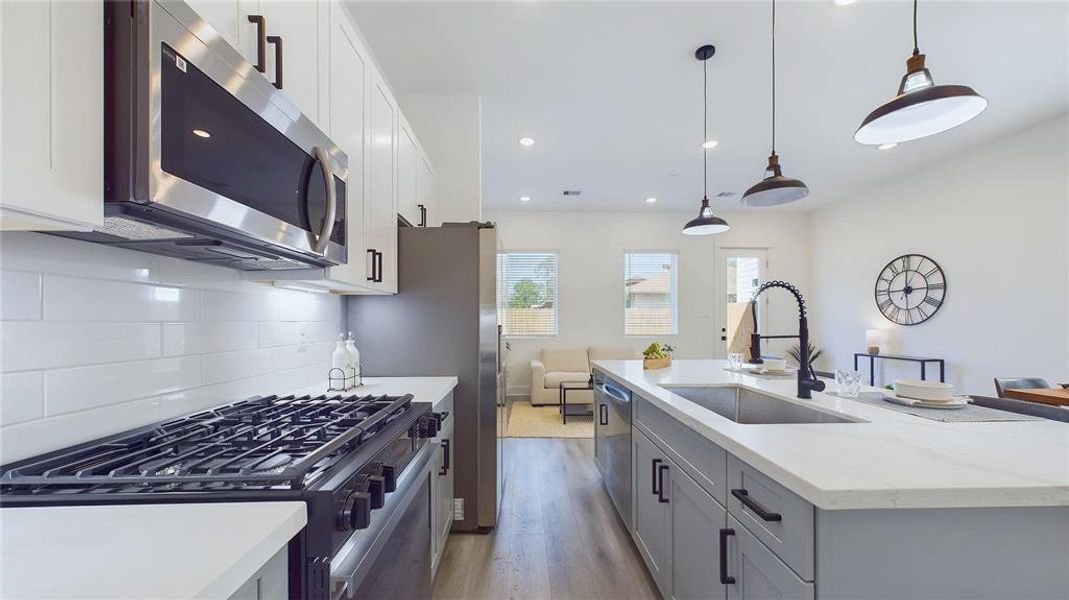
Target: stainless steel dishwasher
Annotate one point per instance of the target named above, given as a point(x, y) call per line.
point(612, 442)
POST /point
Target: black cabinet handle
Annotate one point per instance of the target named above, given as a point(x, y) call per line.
point(372, 252)
point(422, 216)
point(724, 577)
point(603, 414)
point(378, 276)
point(750, 503)
point(653, 476)
point(261, 42)
point(445, 456)
point(661, 470)
point(277, 41)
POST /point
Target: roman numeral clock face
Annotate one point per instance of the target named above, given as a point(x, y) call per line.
point(910, 289)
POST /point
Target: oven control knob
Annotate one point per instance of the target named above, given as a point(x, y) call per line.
point(389, 475)
point(376, 488)
point(355, 512)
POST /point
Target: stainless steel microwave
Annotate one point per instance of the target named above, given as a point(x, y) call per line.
point(205, 159)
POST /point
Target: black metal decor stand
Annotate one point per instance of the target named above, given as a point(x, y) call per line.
point(917, 359)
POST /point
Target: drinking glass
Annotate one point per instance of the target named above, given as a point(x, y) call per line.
point(734, 361)
point(848, 383)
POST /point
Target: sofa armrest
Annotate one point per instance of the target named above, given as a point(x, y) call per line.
point(538, 375)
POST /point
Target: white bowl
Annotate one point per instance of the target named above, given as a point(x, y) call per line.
point(774, 364)
point(931, 391)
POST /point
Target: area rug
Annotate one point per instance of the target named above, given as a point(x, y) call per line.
point(527, 421)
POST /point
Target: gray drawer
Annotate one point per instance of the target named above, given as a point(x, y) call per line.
point(790, 536)
point(701, 459)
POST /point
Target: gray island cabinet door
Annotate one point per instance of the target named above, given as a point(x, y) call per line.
point(758, 573)
point(696, 523)
point(651, 527)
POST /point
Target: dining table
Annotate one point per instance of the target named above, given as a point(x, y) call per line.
point(1056, 396)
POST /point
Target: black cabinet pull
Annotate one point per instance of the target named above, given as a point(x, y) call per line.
point(445, 457)
point(372, 252)
point(378, 276)
point(750, 503)
point(661, 470)
point(603, 414)
point(724, 577)
point(653, 476)
point(261, 42)
point(277, 41)
point(422, 216)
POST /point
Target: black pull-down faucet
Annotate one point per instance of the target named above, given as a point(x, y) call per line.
point(807, 381)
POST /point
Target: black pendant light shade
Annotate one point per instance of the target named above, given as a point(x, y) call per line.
point(706, 223)
point(921, 108)
point(775, 189)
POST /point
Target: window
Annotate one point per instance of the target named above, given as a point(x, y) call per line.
point(650, 294)
point(527, 293)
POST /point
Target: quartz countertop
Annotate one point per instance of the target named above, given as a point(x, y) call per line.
point(141, 550)
point(886, 459)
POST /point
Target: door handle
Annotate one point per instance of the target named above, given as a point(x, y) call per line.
point(661, 470)
point(277, 42)
point(653, 486)
point(422, 215)
point(327, 227)
point(378, 276)
point(744, 497)
point(724, 577)
point(372, 252)
point(445, 458)
point(603, 414)
point(261, 42)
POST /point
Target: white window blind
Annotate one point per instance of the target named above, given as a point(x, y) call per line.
point(650, 281)
point(527, 293)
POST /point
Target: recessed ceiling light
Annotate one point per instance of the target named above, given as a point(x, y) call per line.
point(526, 141)
point(887, 146)
point(844, 2)
point(650, 200)
point(525, 198)
point(710, 144)
point(201, 133)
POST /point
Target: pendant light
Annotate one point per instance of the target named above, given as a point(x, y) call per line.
point(921, 108)
point(775, 188)
point(706, 223)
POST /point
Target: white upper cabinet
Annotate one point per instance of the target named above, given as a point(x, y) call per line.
point(51, 154)
point(293, 30)
point(407, 173)
point(380, 206)
point(426, 192)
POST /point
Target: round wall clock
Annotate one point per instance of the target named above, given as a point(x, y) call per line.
point(910, 289)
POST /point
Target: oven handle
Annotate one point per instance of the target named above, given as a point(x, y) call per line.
point(327, 228)
point(352, 561)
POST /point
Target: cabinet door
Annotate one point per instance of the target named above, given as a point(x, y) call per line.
point(425, 190)
point(52, 77)
point(407, 173)
point(380, 206)
point(758, 573)
point(651, 526)
point(231, 19)
point(297, 24)
point(696, 523)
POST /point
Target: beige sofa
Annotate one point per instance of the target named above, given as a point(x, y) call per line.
point(568, 364)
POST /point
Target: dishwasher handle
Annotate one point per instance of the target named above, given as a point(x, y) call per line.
point(614, 392)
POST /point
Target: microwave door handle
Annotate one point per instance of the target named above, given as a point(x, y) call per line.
point(261, 41)
point(327, 227)
point(277, 41)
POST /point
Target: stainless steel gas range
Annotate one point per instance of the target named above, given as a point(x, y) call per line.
point(362, 464)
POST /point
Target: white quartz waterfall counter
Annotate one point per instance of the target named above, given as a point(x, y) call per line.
point(886, 459)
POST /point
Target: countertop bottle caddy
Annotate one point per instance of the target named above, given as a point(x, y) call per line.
point(344, 373)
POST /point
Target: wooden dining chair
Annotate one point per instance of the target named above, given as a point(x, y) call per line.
point(1018, 383)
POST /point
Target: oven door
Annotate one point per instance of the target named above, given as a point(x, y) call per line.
point(227, 148)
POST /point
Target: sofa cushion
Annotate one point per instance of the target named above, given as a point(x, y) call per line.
point(554, 379)
point(565, 359)
point(611, 353)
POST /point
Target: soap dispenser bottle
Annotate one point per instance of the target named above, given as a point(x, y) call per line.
point(339, 364)
point(354, 364)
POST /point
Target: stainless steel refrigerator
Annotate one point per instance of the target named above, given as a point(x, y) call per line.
point(443, 321)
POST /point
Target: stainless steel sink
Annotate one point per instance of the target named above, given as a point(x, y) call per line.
point(745, 406)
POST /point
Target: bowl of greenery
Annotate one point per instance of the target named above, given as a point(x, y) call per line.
point(657, 356)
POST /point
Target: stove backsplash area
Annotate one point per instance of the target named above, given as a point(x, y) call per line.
point(96, 340)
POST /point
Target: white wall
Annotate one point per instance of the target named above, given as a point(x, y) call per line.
point(450, 128)
point(995, 219)
point(97, 340)
point(591, 246)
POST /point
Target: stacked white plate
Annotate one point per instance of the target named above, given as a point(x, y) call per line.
point(925, 394)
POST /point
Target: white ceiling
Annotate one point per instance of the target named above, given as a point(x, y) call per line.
point(611, 92)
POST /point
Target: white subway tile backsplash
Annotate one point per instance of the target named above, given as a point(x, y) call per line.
point(20, 295)
point(97, 340)
point(76, 299)
point(202, 338)
point(21, 397)
point(82, 388)
point(43, 253)
point(27, 345)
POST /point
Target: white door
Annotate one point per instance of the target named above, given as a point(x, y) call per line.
point(380, 206)
point(426, 191)
point(407, 174)
point(739, 272)
point(296, 24)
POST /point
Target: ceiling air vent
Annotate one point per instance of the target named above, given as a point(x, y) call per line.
point(571, 192)
point(725, 195)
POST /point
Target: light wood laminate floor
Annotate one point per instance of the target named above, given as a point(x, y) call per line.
point(558, 535)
